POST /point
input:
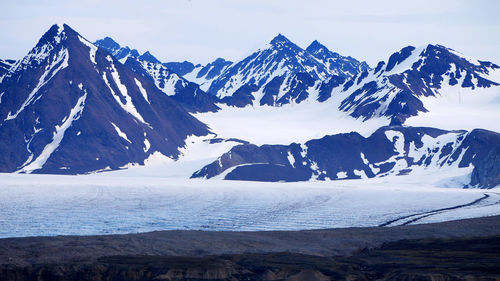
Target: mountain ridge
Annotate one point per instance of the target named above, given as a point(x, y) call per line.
point(187, 93)
point(391, 150)
point(107, 116)
point(122, 108)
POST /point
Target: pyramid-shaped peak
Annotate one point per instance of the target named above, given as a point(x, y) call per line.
point(55, 33)
point(316, 46)
point(147, 56)
point(53, 40)
point(280, 39)
point(58, 32)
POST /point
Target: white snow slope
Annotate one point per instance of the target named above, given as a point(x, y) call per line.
point(286, 124)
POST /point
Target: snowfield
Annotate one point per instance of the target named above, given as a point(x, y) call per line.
point(160, 196)
point(143, 199)
point(286, 124)
point(464, 109)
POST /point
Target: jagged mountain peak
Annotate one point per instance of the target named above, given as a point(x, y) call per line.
point(431, 56)
point(344, 66)
point(400, 56)
point(79, 110)
point(108, 43)
point(52, 48)
point(57, 33)
point(200, 74)
point(53, 32)
point(281, 43)
point(316, 46)
point(119, 52)
point(322, 53)
point(399, 87)
point(147, 56)
point(279, 57)
point(279, 40)
point(186, 93)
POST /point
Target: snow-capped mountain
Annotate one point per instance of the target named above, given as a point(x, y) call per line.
point(181, 68)
point(186, 93)
point(394, 150)
point(120, 53)
point(399, 87)
point(402, 87)
point(73, 107)
point(281, 73)
point(172, 84)
point(279, 57)
point(204, 75)
point(147, 56)
point(5, 65)
point(70, 107)
point(336, 63)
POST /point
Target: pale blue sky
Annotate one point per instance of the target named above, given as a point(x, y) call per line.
point(202, 30)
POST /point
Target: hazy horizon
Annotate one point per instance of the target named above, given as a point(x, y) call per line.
point(200, 31)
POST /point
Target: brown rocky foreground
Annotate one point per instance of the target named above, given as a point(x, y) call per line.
point(456, 250)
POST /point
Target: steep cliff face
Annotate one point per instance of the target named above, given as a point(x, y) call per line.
point(69, 107)
point(487, 172)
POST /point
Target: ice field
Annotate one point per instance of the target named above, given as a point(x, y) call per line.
point(131, 201)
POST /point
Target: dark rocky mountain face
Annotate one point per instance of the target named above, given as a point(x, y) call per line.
point(202, 75)
point(241, 97)
point(147, 56)
point(487, 172)
point(327, 86)
point(392, 150)
point(213, 70)
point(72, 107)
point(120, 53)
point(278, 58)
point(395, 89)
point(337, 64)
point(69, 107)
point(285, 73)
point(181, 68)
point(187, 93)
point(298, 85)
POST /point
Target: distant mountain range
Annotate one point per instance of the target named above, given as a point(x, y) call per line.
point(71, 106)
point(392, 150)
point(172, 84)
point(201, 74)
point(279, 73)
point(396, 88)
